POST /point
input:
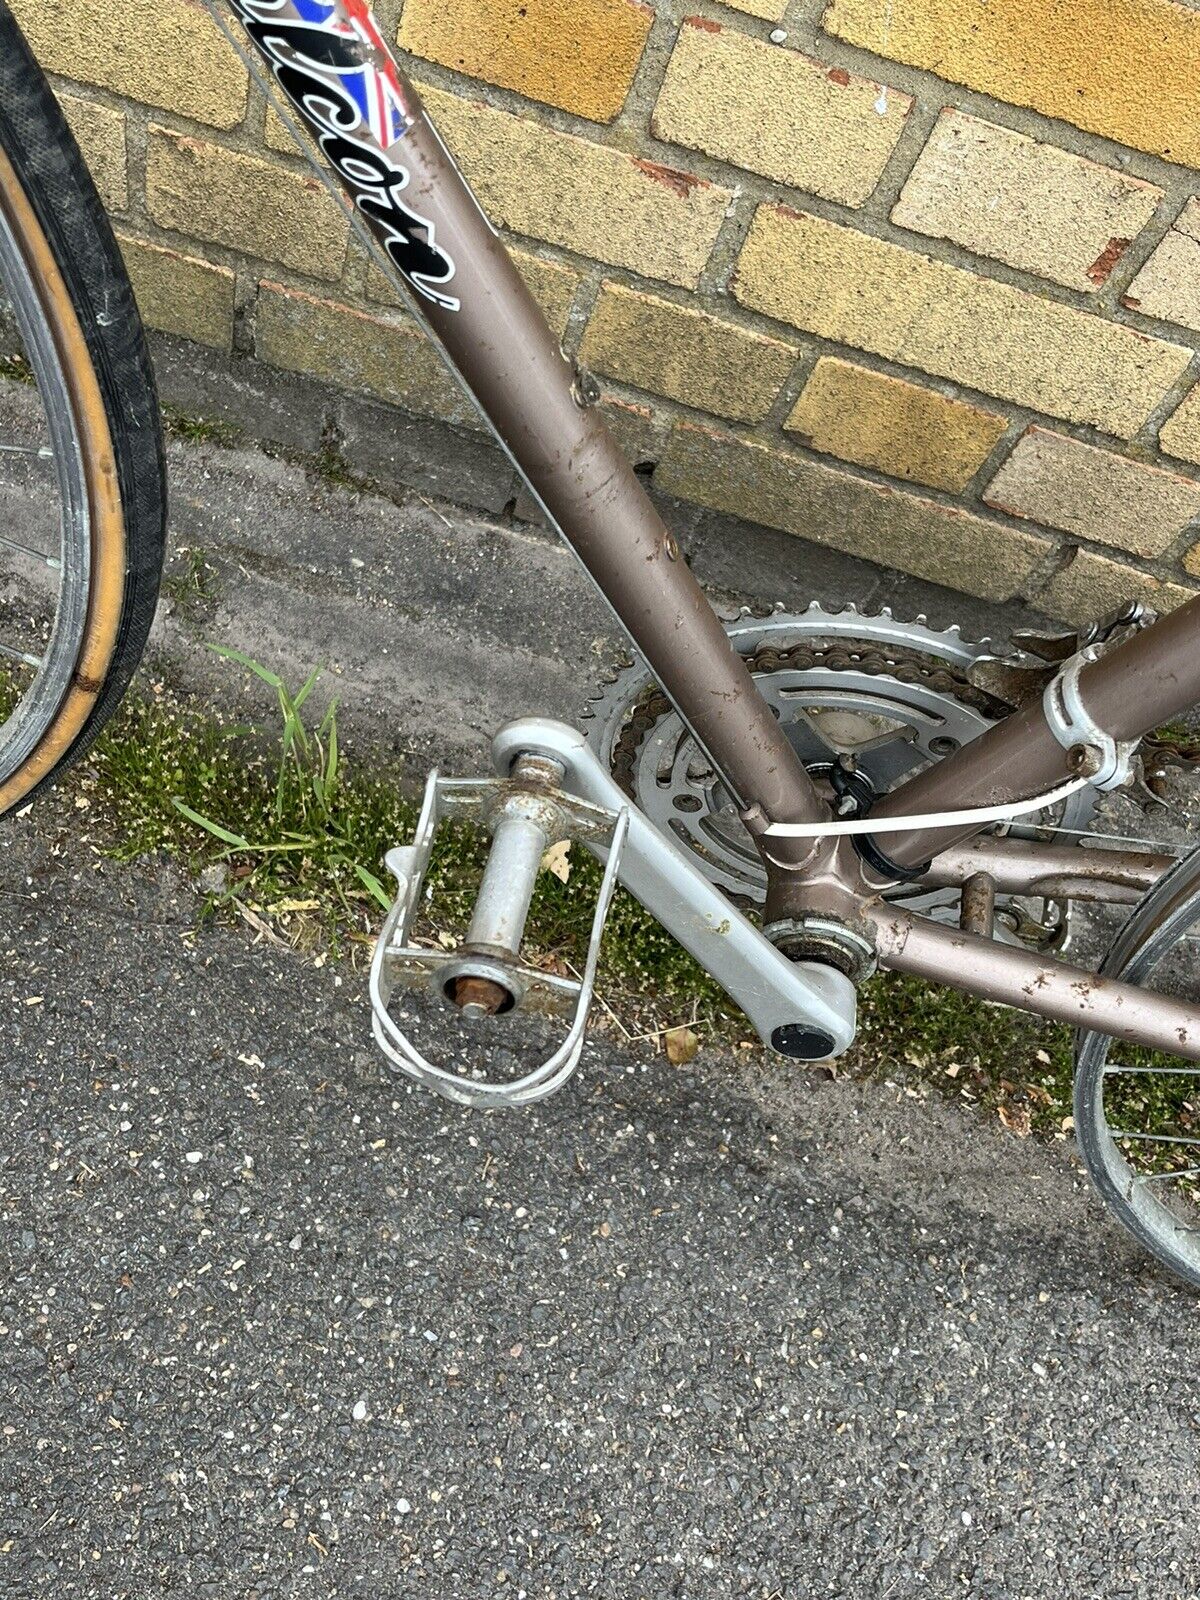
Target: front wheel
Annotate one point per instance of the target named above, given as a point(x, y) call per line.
point(82, 481)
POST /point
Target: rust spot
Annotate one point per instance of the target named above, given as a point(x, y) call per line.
point(1131, 301)
point(1100, 269)
point(680, 183)
point(482, 993)
point(706, 23)
point(840, 76)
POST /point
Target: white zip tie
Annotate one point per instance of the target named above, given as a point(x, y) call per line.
point(942, 819)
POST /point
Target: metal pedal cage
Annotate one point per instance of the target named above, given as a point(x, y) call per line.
point(399, 963)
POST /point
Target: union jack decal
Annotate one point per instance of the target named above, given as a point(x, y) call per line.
point(374, 87)
point(332, 64)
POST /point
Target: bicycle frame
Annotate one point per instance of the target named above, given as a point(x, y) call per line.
point(334, 67)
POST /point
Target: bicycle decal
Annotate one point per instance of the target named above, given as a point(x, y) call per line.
point(331, 62)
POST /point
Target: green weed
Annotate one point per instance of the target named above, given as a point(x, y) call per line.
point(15, 367)
point(197, 430)
point(189, 583)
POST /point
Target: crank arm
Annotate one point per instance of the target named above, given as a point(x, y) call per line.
point(801, 1009)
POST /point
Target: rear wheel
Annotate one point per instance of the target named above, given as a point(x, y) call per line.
point(82, 484)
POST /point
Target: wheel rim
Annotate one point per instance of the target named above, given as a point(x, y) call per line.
point(1137, 1113)
point(49, 426)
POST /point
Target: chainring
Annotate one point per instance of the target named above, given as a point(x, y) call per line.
point(897, 696)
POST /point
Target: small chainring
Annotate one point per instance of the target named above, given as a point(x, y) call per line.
point(895, 696)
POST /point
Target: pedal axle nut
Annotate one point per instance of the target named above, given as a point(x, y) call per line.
point(539, 772)
point(480, 997)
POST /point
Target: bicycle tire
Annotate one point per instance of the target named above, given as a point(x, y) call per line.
point(1155, 928)
point(50, 207)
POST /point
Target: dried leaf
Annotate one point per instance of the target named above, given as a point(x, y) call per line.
point(557, 860)
point(682, 1045)
point(1016, 1120)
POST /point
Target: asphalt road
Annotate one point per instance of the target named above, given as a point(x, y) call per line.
point(272, 1325)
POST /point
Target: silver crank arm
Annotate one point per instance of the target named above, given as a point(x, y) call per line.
point(799, 1008)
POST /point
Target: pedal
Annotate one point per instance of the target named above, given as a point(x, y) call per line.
point(525, 813)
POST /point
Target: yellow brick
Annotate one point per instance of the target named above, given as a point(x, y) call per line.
point(1180, 433)
point(640, 431)
point(100, 133)
point(838, 508)
point(180, 294)
point(684, 353)
point(768, 10)
point(577, 54)
point(1096, 494)
point(1168, 286)
point(1091, 585)
point(279, 134)
point(165, 53)
point(777, 112)
point(392, 360)
point(1037, 207)
point(552, 285)
point(616, 208)
point(896, 427)
point(843, 285)
point(1122, 68)
point(255, 206)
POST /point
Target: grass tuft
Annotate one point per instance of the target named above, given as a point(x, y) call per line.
point(196, 429)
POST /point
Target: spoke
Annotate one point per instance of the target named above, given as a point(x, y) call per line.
point(1155, 1138)
point(1166, 1177)
point(27, 550)
point(20, 655)
point(42, 452)
point(1166, 1072)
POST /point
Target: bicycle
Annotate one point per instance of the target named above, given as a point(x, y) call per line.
point(797, 798)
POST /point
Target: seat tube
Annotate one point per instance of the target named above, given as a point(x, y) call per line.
point(329, 61)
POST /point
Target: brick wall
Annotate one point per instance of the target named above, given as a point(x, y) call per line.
point(915, 279)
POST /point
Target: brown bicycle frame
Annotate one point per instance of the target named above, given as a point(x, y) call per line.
point(541, 407)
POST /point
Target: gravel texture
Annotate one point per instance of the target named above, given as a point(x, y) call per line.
point(272, 1325)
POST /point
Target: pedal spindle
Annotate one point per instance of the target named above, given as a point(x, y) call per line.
point(524, 825)
point(486, 976)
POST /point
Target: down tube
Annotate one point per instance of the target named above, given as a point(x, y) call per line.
point(333, 65)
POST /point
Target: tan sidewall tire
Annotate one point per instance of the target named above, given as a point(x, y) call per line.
point(107, 546)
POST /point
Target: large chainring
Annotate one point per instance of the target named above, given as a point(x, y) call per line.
point(897, 696)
